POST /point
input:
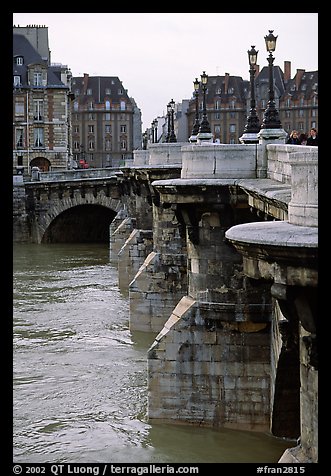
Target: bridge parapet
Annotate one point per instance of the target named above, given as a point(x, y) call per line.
point(220, 161)
point(280, 158)
point(77, 174)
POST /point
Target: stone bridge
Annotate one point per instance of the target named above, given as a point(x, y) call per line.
point(216, 245)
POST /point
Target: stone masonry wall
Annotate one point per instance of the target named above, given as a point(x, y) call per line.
point(205, 371)
point(162, 280)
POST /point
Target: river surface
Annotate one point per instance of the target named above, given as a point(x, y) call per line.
point(80, 375)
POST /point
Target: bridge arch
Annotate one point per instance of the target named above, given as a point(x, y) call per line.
point(80, 219)
point(87, 223)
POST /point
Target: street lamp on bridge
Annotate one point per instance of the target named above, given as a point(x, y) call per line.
point(171, 137)
point(204, 133)
point(252, 126)
point(271, 117)
point(196, 125)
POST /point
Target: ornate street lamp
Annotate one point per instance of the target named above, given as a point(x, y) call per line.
point(271, 117)
point(171, 137)
point(204, 125)
point(154, 123)
point(196, 124)
point(145, 140)
point(253, 123)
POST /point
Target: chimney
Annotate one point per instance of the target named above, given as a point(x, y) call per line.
point(298, 77)
point(85, 82)
point(226, 83)
point(287, 71)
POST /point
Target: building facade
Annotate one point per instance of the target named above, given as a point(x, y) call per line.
point(228, 102)
point(41, 104)
point(106, 122)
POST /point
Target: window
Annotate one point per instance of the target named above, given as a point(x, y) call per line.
point(76, 145)
point(123, 144)
point(107, 128)
point(38, 137)
point(288, 102)
point(19, 108)
point(19, 137)
point(91, 129)
point(123, 128)
point(17, 81)
point(107, 105)
point(37, 78)
point(123, 106)
point(120, 91)
point(217, 105)
point(287, 114)
point(89, 92)
point(91, 116)
point(76, 106)
point(301, 113)
point(107, 116)
point(76, 129)
point(108, 91)
point(38, 109)
point(217, 115)
point(91, 144)
point(19, 60)
point(232, 128)
point(230, 90)
point(107, 144)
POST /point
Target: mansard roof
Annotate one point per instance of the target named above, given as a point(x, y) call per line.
point(304, 84)
point(263, 77)
point(98, 86)
point(23, 48)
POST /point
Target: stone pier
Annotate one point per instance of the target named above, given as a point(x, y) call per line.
point(210, 364)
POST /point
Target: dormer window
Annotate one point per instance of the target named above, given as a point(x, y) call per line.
point(37, 78)
point(17, 81)
point(19, 60)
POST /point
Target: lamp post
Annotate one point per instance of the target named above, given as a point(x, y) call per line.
point(196, 124)
point(252, 126)
point(171, 137)
point(271, 117)
point(154, 130)
point(204, 133)
point(145, 139)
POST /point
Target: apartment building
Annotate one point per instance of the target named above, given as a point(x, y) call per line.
point(106, 122)
point(228, 102)
point(41, 104)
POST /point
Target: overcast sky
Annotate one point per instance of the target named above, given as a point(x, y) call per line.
point(157, 56)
